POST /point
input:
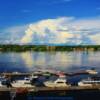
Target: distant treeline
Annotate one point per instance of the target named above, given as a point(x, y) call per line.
point(19, 48)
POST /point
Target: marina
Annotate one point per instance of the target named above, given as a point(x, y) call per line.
point(26, 77)
point(49, 49)
point(60, 84)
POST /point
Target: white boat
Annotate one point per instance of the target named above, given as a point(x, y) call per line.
point(89, 82)
point(92, 72)
point(26, 82)
point(18, 83)
point(22, 83)
point(60, 82)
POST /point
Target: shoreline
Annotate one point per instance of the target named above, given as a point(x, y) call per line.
point(44, 48)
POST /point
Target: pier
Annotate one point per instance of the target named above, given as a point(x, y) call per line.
point(45, 93)
point(37, 89)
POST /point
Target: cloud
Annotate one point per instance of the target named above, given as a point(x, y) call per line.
point(96, 38)
point(47, 30)
point(12, 34)
point(62, 30)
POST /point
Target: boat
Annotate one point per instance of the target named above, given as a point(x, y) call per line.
point(89, 82)
point(26, 82)
point(92, 71)
point(59, 82)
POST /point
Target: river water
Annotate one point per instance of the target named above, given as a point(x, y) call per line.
point(58, 61)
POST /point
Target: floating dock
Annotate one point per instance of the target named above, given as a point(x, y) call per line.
point(35, 89)
point(45, 93)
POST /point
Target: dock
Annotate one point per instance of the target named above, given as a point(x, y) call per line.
point(36, 89)
point(45, 93)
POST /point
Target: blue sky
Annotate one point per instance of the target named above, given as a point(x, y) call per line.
point(16, 16)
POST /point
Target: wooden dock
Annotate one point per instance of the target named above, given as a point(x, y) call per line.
point(36, 89)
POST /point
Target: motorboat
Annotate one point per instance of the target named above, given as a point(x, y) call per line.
point(59, 82)
point(92, 71)
point(26, 82)
point(89, 82)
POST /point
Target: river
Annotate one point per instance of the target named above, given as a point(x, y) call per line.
point(59, 61)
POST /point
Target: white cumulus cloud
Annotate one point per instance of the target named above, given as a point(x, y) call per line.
point(51, 30)
point(62, 30)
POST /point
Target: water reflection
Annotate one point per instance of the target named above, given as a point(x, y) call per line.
point(28, 59)
point(61, 60)
point(65, 61)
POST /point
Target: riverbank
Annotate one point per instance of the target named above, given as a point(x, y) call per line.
point(21, 48)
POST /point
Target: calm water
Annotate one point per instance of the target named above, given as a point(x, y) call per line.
point(64, 61)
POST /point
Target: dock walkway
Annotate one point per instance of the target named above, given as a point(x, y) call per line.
point(36, 89)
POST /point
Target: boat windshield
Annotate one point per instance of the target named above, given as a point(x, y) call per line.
point(60, 82)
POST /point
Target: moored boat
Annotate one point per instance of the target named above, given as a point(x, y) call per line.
point(89, 82)
point(92, 71)
point(60, 82)
point(26, 82)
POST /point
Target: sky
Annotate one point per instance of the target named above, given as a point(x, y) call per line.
point(57, 22)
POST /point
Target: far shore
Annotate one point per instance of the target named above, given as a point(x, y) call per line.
point(22, 48)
